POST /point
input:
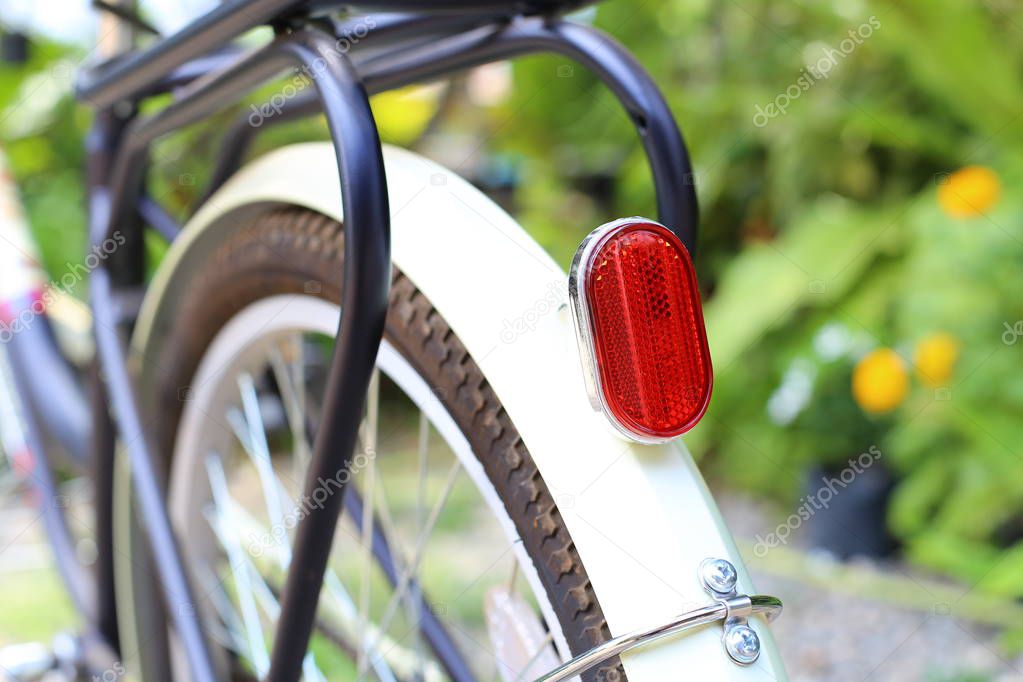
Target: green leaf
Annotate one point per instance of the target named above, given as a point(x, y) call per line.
point(813, 263)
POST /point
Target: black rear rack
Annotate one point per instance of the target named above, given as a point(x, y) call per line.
point(205, 75)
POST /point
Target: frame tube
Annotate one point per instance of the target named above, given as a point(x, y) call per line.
point(74, 577)
point(366, 285)
point(103, 461)
point(178, 593)
point(169, 60)
point(50, 392)
point(132, 76)
point(158, 219)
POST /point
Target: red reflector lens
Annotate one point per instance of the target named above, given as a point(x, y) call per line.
point(638, 307)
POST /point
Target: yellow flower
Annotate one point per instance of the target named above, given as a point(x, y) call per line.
point(880, 381)
point(969, 192)
point(935, 357)
point(403, 115)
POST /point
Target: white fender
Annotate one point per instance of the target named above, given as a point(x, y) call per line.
point(641, 516)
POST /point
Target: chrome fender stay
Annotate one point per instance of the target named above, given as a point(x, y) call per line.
point(718, 578)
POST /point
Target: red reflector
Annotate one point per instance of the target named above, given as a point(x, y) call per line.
point(640, 323)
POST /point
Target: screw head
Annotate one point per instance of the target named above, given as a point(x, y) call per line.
point(718, 575)
point(742, 644)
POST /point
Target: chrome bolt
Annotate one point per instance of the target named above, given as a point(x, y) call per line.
point(742, 644)
point(718, 575)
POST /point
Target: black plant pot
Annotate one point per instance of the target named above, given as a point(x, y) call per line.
point(849, 511)
point(14, 48)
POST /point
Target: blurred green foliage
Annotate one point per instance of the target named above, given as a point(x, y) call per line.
point(826, 214)
point(41, 130)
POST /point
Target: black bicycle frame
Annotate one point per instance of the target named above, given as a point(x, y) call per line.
point(401, 49)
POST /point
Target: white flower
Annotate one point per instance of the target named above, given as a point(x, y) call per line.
point(796, 388)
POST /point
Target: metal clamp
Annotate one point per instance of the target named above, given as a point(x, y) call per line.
point(719, 578)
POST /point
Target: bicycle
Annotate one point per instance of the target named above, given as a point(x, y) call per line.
point(244, 528)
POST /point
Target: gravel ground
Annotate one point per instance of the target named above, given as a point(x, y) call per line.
point(835, 637)
point(823, 635)
point(831, 637)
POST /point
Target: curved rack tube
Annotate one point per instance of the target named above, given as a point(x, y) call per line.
point(366, 285)
point(662, 140)
point(606, 58)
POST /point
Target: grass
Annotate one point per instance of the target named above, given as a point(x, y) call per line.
point(35, 607)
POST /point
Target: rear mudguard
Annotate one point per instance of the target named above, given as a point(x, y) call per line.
point(641, 516)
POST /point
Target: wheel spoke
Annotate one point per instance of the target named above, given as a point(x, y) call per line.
point(288, 377)
point(429, 627)
point(237, 559)
point(417, 557)
point(291, 384)
point(333, 588)
point(373, 608)
point(422, 452)
point(222, 526)
point(536, 656)
point(413, 599)
point(228, 630)
point(259, 453)
point(344, 606)
point(290, 381)
point(282, 552)
point(369, 443)
point(310, 673)
point(258, 449)
point(350, 615)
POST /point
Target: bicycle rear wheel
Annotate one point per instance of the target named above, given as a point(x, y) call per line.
point(451, 560)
